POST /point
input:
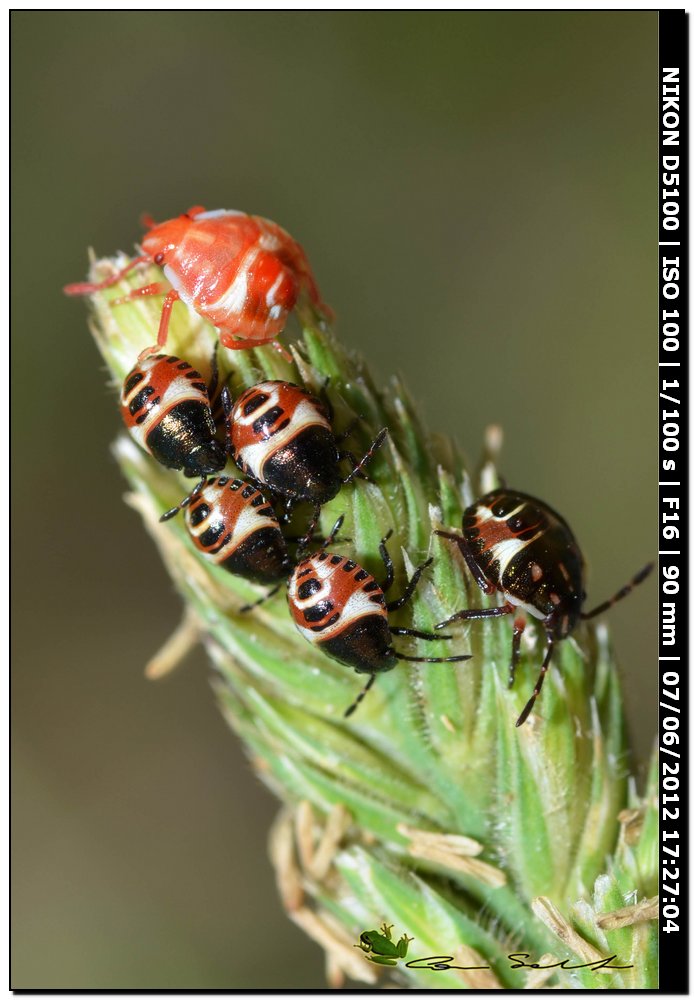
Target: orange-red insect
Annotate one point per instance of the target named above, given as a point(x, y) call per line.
point(242, 273)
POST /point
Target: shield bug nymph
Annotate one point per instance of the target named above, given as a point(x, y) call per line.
point(340, 608)
point(166, 406)
point(517, 545)
point(233, 526)
point(242, 273)
point(282, 437)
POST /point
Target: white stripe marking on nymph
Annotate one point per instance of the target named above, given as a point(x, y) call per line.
point(179, 390)
point(306, 414)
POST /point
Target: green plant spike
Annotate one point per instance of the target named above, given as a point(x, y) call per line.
point(427, 809)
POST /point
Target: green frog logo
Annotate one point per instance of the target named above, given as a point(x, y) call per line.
point(380, 947)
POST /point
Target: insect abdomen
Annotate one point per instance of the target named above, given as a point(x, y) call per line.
point(306, 468)
point(339, 607)
point(165, 406)
point(527, 551)
point(176, 435)
point(280, 435)
point(362, 645)
point(232, 524)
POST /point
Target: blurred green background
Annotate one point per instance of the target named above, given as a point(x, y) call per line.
point(477, 194)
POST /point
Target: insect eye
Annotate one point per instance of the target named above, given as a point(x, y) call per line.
point(159, 258)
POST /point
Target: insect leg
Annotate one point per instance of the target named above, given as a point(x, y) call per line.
point(387, 562)
point(306, 538)
point(468, 613)
point(352, 459)
point(484, 585)
point(538, 686)
point(155, 288)
point(227, 406)
point(375, 444)
point(286, 356)
point(360, 696)
point(214, 377)
point(171, 297)
point(410, 588)
point(333, 534)
point(419, 635)
point(431, 659)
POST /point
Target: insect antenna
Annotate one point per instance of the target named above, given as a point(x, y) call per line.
point(87, 287)
point(639, 578)
point(184, 502)
point(305, 540)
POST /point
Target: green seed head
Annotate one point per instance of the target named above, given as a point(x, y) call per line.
point(427, 808)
